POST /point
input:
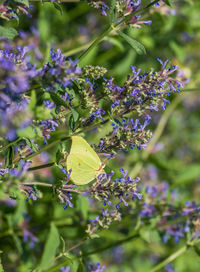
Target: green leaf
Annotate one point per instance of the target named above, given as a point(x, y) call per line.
point(18, 216)
point(137, 46)
point(197, 250)
point(187, 175)
point(83, 205)
point(116, 42)
point(25, 2)
point(9, 156)
point(75, 115)
point(71, 123)
point(80, 267)
point(50, 248)
point(58, 7)
point(168, 2)
point(58, 154)
point(1, 267)
point(28, 132)
point(31, 144)
point(58, 100)
point(112, 11)
point(150, 235)
point(8, 32)
point(16, 239)
point(33, 100)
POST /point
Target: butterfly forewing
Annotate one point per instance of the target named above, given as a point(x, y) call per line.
point(81, 148)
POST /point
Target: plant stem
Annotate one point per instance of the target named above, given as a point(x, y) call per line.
point(77, 50)
point(71, 248)
point(51, 185)
point(146, 153)
point(169, 259)
point(11, 143)
point(41, 166)
point(111, 28)
point(94, 43)
point(62, 1)
point(112, 245)
point(45, 148)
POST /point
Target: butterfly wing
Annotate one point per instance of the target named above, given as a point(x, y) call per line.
point(84, 162)
point(82, 173)
point(84, 150)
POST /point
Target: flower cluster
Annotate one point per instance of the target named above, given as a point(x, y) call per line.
point(11, 9)
point(113, 193)
point(126, 8)
point(142, 92)
point(172, 220)
point(96, 267)
point(58, 73)
point(99, 5)
point(120, 188)
point(16, 73)
point(125, 134)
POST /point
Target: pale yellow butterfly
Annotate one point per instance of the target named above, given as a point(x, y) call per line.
point(83, 161)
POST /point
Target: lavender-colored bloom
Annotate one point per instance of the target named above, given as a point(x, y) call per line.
point(10, 9)
point(3, 171)
point(50, 105)
point(147, 210)
point(190, 207)
point(96, 267)
point(97, 114)
point(99, 5)
point(65, 269)
point(169, 268)
point(15, 116)
point(30, 238)
point(175, 231)
point(47, 127)
point(22, 169)
point(30, 192)
point(66, 197)
point(8, 202)
point(130, 133)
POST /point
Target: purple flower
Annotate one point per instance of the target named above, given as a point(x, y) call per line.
point(30, 238)
point(22, 168)
point(96, 267)
point(65, 269)
point(169, 268)
point(97, 114)
point(66, 197)
point(30, 192)
point(3, 171)
point(147, 210)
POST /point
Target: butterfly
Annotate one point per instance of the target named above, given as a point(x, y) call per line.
point(83, 161)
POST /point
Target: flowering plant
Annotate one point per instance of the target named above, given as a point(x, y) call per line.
point(50, 92)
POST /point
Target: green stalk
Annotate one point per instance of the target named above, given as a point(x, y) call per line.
point(41, 166)
point(94, 43)
point(68, 261)
point(62, 1)
point(169, 259)
point(111, 28)
point(11, 143)
point(42, 184)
